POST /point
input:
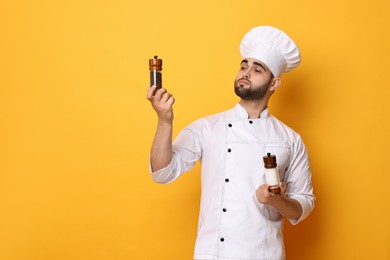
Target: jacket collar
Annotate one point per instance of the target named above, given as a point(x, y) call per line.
point(242, 114)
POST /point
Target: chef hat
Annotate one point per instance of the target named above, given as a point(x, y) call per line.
point(272, 47)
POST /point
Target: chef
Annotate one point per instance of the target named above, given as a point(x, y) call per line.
point(239, 217)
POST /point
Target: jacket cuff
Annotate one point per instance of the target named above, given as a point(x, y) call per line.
point(307, 207)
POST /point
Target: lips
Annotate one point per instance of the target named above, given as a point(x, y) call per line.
point(243, 81)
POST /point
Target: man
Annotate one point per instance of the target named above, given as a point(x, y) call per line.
point(239, 217)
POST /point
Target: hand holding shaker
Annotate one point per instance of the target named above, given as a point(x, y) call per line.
point(271, 173)
point(155, 67)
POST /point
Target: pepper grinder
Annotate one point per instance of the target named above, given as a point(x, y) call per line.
point(271, 173)
point(155, 67)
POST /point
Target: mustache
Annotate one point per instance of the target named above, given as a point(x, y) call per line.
point(245, 79)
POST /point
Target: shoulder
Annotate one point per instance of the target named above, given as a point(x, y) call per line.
point(212, 119)
point(208, 124)
point(283, 129)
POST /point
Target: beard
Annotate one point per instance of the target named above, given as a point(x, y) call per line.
point(254, 92)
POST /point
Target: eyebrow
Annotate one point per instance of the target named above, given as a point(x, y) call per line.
point(255, 63)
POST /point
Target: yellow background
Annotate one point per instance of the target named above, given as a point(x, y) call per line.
point(76, 128)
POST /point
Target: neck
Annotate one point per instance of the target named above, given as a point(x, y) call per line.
point(254, 107)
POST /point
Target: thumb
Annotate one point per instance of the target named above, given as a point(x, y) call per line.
point(283, 187)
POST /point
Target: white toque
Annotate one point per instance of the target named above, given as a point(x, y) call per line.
point(271, 46)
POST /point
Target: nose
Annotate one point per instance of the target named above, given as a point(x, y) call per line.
point(245, 75)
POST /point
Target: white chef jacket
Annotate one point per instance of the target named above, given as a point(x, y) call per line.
point(232, 223)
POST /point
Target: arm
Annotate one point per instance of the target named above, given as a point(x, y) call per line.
point(287, 207)
point(161, 151)
point(296, 200)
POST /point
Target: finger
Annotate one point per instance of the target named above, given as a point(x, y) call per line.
point(265, 190)
point(260, 190)
point(259, 195)
point(264, 187)
point(150, 92)
point(166, 96)
point(171, 100)
point(159, 93)
point(283, 187)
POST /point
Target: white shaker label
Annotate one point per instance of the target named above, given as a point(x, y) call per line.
point(272, 176)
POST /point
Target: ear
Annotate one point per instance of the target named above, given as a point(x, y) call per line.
point(275, 84)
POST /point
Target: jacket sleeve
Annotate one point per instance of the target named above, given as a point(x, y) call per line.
point(187, 149)
point(298, 180)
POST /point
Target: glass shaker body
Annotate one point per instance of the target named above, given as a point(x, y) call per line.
point(271, 173)
point(155, 67)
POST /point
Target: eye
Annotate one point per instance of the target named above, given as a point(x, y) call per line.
point(258, 70)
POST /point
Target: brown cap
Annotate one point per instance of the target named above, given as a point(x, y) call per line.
point(269, 161)
point(155, 64)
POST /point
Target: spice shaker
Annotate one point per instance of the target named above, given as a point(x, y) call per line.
point(271, 173)
point(155, 67)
